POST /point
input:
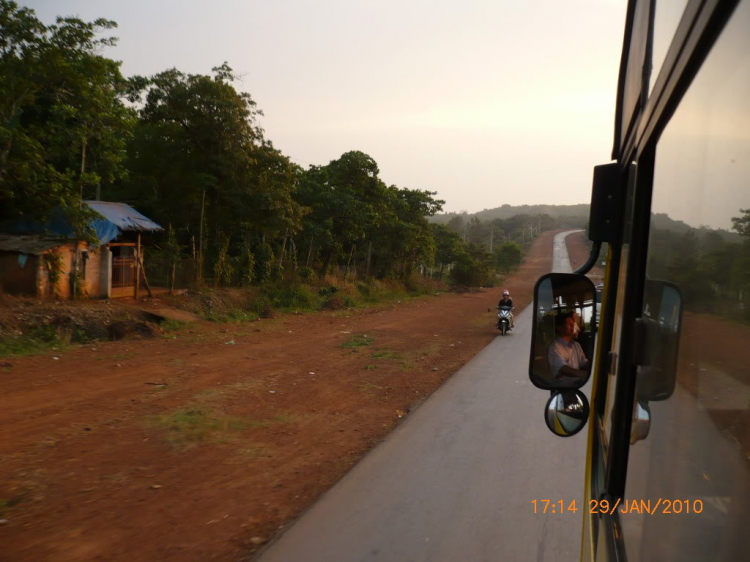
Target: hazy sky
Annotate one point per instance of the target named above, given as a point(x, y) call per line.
point(484, 101)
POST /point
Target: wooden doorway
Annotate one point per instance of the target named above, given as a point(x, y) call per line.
point(123, 270)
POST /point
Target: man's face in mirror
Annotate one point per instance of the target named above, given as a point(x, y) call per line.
point(566, 327)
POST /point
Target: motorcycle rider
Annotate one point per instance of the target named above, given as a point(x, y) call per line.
point(507, 301)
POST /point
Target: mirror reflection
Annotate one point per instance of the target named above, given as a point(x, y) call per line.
point(564, 331)
point(566, 412)
point(662, 313)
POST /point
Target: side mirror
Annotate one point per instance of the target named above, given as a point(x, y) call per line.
point(563, 332)
point(566, 412)
point(660, 326)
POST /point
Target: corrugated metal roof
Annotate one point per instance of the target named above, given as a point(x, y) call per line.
point(124, 216)
point(118, 218)
point(34, 245)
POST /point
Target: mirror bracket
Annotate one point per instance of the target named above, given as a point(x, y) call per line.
point(607, 204)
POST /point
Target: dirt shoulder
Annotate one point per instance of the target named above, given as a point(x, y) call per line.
point(202, 444)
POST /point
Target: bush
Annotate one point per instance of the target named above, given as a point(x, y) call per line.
point(263, 262)
point(306, 273)
point(290, 296)
point(328, 291)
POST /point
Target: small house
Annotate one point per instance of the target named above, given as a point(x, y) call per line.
point(45, 260)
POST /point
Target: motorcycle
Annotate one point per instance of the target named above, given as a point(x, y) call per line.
point(503, 319)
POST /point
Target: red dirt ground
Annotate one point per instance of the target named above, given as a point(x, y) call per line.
point(248, 425)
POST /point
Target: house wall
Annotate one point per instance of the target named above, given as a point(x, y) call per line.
point(16, 279)
point(91, 281)
point(33, 278)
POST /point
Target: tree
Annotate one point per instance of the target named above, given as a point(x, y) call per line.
point(63, 126)
point(199, 158)
point(508, 257)
point(448, 246)
point(742, 224)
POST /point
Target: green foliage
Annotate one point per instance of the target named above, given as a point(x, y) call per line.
point(508, 257)
point(742, 224)
point(298, 297)
point(247, 268)
point(306, 273)
point(474, 268)
point(233, 316)
point(53, 263)
point(223, 269)
point(63, 126)
point(713, 274)
point(328, 291)
point(39, 339)
point(264, 262)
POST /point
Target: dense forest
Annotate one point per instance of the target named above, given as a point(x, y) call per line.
point(189, 152)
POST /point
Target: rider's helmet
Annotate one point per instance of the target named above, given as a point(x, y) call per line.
point(506, 293)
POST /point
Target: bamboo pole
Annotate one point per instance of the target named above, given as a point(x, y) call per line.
point(137, 265)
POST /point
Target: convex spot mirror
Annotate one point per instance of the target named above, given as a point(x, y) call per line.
point(563, 333)
point(566, 412)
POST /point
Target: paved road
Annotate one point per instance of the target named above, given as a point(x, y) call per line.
point(560, 260)
point(455, 481)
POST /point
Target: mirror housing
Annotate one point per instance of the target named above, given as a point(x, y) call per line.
point(566, 412)
point(658, 340)
point(563, 331)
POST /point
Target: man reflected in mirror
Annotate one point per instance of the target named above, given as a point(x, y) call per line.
point(565, 355)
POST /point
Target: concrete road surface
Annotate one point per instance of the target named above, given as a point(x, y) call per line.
point(455, 481)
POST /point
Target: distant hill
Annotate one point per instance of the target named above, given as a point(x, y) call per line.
point(577, 214)
point(662, 221)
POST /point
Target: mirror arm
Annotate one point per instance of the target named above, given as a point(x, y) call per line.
point(593, 256)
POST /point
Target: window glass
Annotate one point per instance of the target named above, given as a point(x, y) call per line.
point(694, 463)
point(667, 15)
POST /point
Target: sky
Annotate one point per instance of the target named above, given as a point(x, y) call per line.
point(485, 102)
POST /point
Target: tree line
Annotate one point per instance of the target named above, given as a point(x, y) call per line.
point(711, 270)
point(188, 150)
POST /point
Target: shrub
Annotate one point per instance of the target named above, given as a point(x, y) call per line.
point(263, 262)
point(290, 296)
point(306, 273)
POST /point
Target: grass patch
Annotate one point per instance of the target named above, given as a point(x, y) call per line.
point(192, 426)
point(36, 340)
point(234, 316)
point(170, 326)
point(386, 354)
point(369, 387)
point(370, 367)
point(357, 341)
point(429, 349)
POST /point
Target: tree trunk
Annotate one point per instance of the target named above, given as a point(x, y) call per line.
point(200, 240)
point(309, 252)
point(174, 273)
point(369, 257)
point(349, 261)
point(283, 247)
point(326, 263)
point(137, 265)
point(83, 162)
point(293, 251)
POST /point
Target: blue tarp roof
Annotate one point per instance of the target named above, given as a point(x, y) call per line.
point(118, 218)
